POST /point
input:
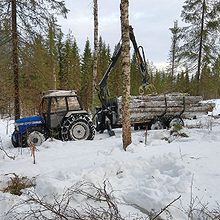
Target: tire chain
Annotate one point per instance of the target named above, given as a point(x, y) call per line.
point(68, 122)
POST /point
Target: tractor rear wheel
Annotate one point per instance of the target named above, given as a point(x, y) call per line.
point(34, 135)
point(78, 127)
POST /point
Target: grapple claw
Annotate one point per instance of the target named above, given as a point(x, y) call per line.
point(149, 89)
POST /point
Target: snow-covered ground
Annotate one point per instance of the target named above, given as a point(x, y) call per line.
point(148, 175)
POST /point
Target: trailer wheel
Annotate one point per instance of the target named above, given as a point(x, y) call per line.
point(175, 120)
point(155, 124)
point(78, 127)
point(34, 135)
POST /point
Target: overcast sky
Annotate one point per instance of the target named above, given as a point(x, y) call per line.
point(151, 20)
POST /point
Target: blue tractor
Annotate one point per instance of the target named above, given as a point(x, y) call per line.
point(62, 117)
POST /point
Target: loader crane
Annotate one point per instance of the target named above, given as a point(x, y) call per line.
point(107, 115)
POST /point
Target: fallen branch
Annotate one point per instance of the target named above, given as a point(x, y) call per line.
point(162, 210)
point(1, 148)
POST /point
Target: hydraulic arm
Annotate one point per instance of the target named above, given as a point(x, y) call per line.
point(141, 61)
point(107, 115)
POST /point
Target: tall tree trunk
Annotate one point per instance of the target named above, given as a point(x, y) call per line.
point(173, 54)
point(126, 126)
point(15, 61)
point(200, 46)
point(95, 11)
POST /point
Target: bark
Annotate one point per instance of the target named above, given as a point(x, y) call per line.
point(15, 61)
point(145, 108)
point(95, 11)
point(173, 56)
point(200, 46)
point(126, 126)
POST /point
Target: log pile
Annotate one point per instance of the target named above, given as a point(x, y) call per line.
point(146, 107)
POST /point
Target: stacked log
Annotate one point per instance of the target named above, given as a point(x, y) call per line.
point(143, 108)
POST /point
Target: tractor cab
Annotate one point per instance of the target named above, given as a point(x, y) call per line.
point(56, 105)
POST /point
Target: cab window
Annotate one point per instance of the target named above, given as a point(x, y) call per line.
point(45, 106)
point(73, 103)
point(58, 104)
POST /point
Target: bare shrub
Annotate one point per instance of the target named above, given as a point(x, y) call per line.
point(96, 203)
point(61, 207)
point(201, 211)
point(198, 210)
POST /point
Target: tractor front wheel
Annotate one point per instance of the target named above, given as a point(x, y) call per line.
point(34, 135)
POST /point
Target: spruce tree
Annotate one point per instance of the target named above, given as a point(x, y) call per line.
point(76, 69)
point(103, 59)
point(157, 82)
point(51, 39)
point(216, 77)
point(86, 76)
point(6, 73)
point(207, 83)
point(35, 75)
point(173, 55)
point(32, 17)
point(103, 64)
point(69, 64)
point(136, 76)
point(201, 36)
point(65, 78)
point(60, 57)
point(116, 78)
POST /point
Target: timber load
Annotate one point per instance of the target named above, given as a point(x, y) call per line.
point(144, 108)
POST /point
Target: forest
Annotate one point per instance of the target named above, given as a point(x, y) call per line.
point(49, 60)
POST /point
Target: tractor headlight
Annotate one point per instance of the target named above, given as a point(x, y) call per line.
point(16, 128)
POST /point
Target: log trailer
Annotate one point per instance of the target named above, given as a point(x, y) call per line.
point(107, 115)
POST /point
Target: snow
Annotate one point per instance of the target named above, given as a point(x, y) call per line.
point(149, 175)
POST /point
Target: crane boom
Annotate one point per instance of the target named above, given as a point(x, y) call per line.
point(107, 116)
point(116, 55)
